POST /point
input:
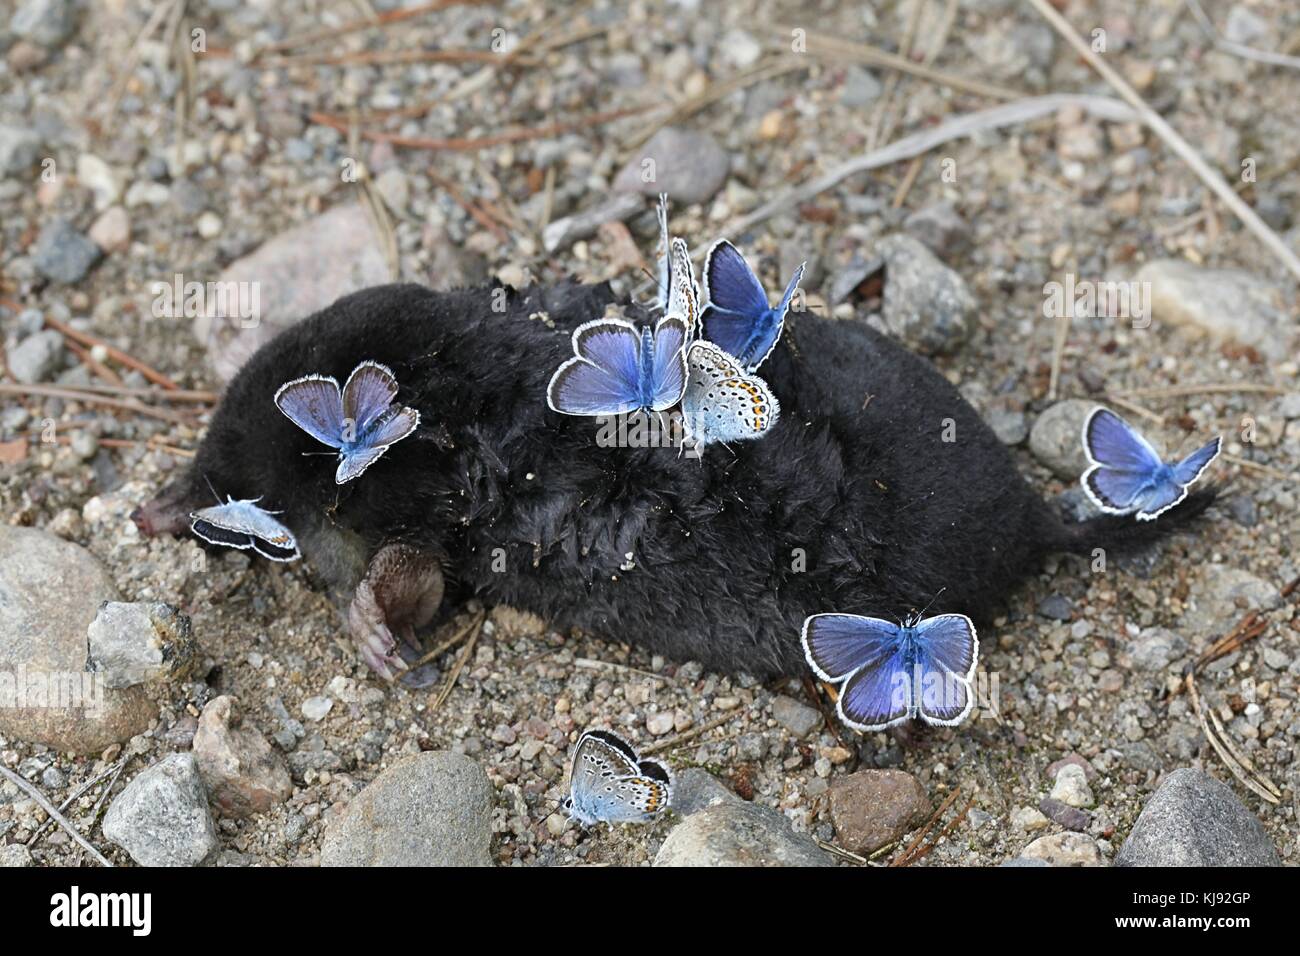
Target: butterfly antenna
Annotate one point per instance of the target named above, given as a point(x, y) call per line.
point(208, 482)
point(933, 599)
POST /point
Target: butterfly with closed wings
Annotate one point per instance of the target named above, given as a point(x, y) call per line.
point(892, 673)
point(722, 402)
point(609, 783)
point(736, 316)
point(361, 420)
point(1127, 476)
point(242, 524)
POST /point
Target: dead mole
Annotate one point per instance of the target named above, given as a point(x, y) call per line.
point(878, 488)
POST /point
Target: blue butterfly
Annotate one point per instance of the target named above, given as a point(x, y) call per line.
point(891, 673)
point(679, 294)
point(618, 367)
point(736, 315)
point(361, 421)
point(242, 524)
point(608, 783)
point(1127, 475)
point(722, 403)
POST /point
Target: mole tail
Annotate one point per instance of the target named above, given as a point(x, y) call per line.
point(1125, 532)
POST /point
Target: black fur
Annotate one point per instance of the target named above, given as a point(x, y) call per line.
point(885, 512)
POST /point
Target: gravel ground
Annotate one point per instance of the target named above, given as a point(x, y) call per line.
point(191, 163)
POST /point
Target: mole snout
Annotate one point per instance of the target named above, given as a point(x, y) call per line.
point(168, 513)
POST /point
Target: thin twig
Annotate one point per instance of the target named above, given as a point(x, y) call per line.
point(72, 394)
point(1224, 754)
point(1007, 114)
point(45, 827)
point(449, 643)
point(391, 57)
point(22, 784)
point(96, 367)
point(1213, 388)
point(460, 663)
point(1135, 408)
point(691, 734)
point(764, 70)
point(832, 47)
point(840, 852)
point(1241, 49)
point(1173, 140)
point(130, 361)
point(904, 858)
point(464, 144)
point(1269, 470)
point(386, 19)
point(589, 663)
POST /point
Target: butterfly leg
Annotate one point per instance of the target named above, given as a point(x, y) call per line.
point(400, 592)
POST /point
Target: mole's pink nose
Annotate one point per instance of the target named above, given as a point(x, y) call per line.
point(168, 513)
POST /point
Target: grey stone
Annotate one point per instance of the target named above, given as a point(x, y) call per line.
point(19, 149)
point(1056, 439)
point(1056, 607)
point(926, 305)
point(941, 227)
point(162, 818)
point(242, 773)
point(37, 357)
point(1224, 303)
point(1018, 861)
point(861, 88)
point(1243, 509)
point(690, 166)
point(1010, 425)
point(50, 591)
point(1245, 26)
point(47, 22)
point(433, 809)
point(695, 789)
point(1156, 648)
point(800, 719)
point(563, 233)
point(1194, 820)
point(296, 273)
point(62, 254)
point(738, 834)
point(136, 643)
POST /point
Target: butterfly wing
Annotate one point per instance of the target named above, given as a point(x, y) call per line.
point(664, 256)
point(1123, 462)
point(683, 293)
point(878, 695)
point(604, 376)
point(394, 424)
point(668, 375)
point(721, 402)
point(243, 525)
point(730, 284)
point(772, 325)
point(836, 645)
point(607, 784)
point(947, 649)
point(1113, 491)
point(1191, 467)
point(369, 392)
point(1114, 443)
point(315, 405)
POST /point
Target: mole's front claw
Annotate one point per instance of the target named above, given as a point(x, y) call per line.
point(400, 592)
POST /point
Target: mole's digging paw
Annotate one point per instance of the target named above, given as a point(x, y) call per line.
point(400, 592)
